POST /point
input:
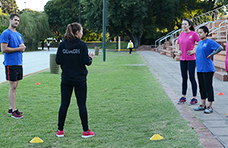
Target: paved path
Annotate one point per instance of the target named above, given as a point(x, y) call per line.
point(167, 70)
point(32, 62)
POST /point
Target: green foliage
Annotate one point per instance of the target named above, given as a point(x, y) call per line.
point(33, 27)
point(126, 107)
point(9, 6)
point(136, 18)
point(60, 14)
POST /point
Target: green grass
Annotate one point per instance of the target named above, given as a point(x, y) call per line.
point(126, 107)
point(108, 45)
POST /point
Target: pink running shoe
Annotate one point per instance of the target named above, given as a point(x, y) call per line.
point(59, 133)
point(88, 134)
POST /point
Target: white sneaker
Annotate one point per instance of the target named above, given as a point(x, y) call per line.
point(208, 110)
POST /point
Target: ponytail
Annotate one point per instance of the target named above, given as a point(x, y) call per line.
point(71, 30)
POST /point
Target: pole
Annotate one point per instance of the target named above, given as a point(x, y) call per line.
point(79, 11)
point(104, 28)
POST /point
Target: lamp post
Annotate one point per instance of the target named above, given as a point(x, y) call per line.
point(79, 11)
point(25, 4)
point(104, 27)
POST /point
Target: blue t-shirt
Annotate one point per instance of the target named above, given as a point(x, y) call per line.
point(203, 50)
point(13, 39)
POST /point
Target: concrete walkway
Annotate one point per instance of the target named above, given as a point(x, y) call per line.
point(211, 128)
point(32, 62)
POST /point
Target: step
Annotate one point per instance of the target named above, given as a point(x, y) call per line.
point(221, 75)
point(219, 65)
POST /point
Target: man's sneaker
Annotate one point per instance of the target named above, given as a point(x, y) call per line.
point(182, 100)
point(199, 108)
point(59, 133)
point(10, 112)
point(193, 101)
point(208, 110)
point(88, 134)
point(16, 115)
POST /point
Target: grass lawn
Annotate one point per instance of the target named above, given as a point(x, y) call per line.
point(126, 107)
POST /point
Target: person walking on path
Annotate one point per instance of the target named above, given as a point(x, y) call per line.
point(48, 45)
point(12, 45)
point(42, 45)
point(226, 60)
point(187, 40)
point(130, 46)
point(72, 56)
point(205, 51)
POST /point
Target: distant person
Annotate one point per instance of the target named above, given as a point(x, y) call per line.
point(42, 45)
point(226, 60)
point(72, 56)
point(12, 45)
point(130, 46)
point(187, 40)
point(48, 45)
point(205, 51)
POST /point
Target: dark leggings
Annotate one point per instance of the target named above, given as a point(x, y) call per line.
point(205, 85)
point(188, 66)
point(130, 50)
point(80, 90)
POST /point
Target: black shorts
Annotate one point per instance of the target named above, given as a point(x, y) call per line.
point(14, 72)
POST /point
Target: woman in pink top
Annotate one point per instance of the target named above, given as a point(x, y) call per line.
point(187, 40)
point(226, 60)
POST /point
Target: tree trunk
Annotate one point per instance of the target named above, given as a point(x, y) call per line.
point(136, 38)
point(136, 41)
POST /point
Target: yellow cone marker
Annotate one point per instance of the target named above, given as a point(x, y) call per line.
point(36, 140)
point(156, 137)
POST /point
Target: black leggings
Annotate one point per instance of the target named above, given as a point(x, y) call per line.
point(190, 67)
point(80, 90)
point(130, 50)
point(205, 85)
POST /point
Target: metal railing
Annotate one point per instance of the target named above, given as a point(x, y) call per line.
point(212, 15)
point(201, 20)
point(171, 36)
point(219, 33)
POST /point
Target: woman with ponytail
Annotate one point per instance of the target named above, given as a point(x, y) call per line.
point(73, 56)
point(186, 40)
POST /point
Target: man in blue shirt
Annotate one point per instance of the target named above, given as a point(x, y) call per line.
point(12, 45)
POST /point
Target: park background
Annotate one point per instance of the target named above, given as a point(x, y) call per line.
point(141, 21)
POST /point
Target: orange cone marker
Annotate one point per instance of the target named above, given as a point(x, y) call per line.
point(37, 83)
point(221, 93)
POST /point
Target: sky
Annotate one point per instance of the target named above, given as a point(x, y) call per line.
point(37, 5)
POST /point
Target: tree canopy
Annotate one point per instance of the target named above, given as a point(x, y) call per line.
point(9, 6)
point(143, 21)
point(60, 13)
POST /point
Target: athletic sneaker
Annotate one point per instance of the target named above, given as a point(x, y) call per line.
point(182, 100)
point(199, 108)
point(59, 133)
point(193, 101)
point(10, 112)
point(16, 115)
point(88, 134)
point(208, 110)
